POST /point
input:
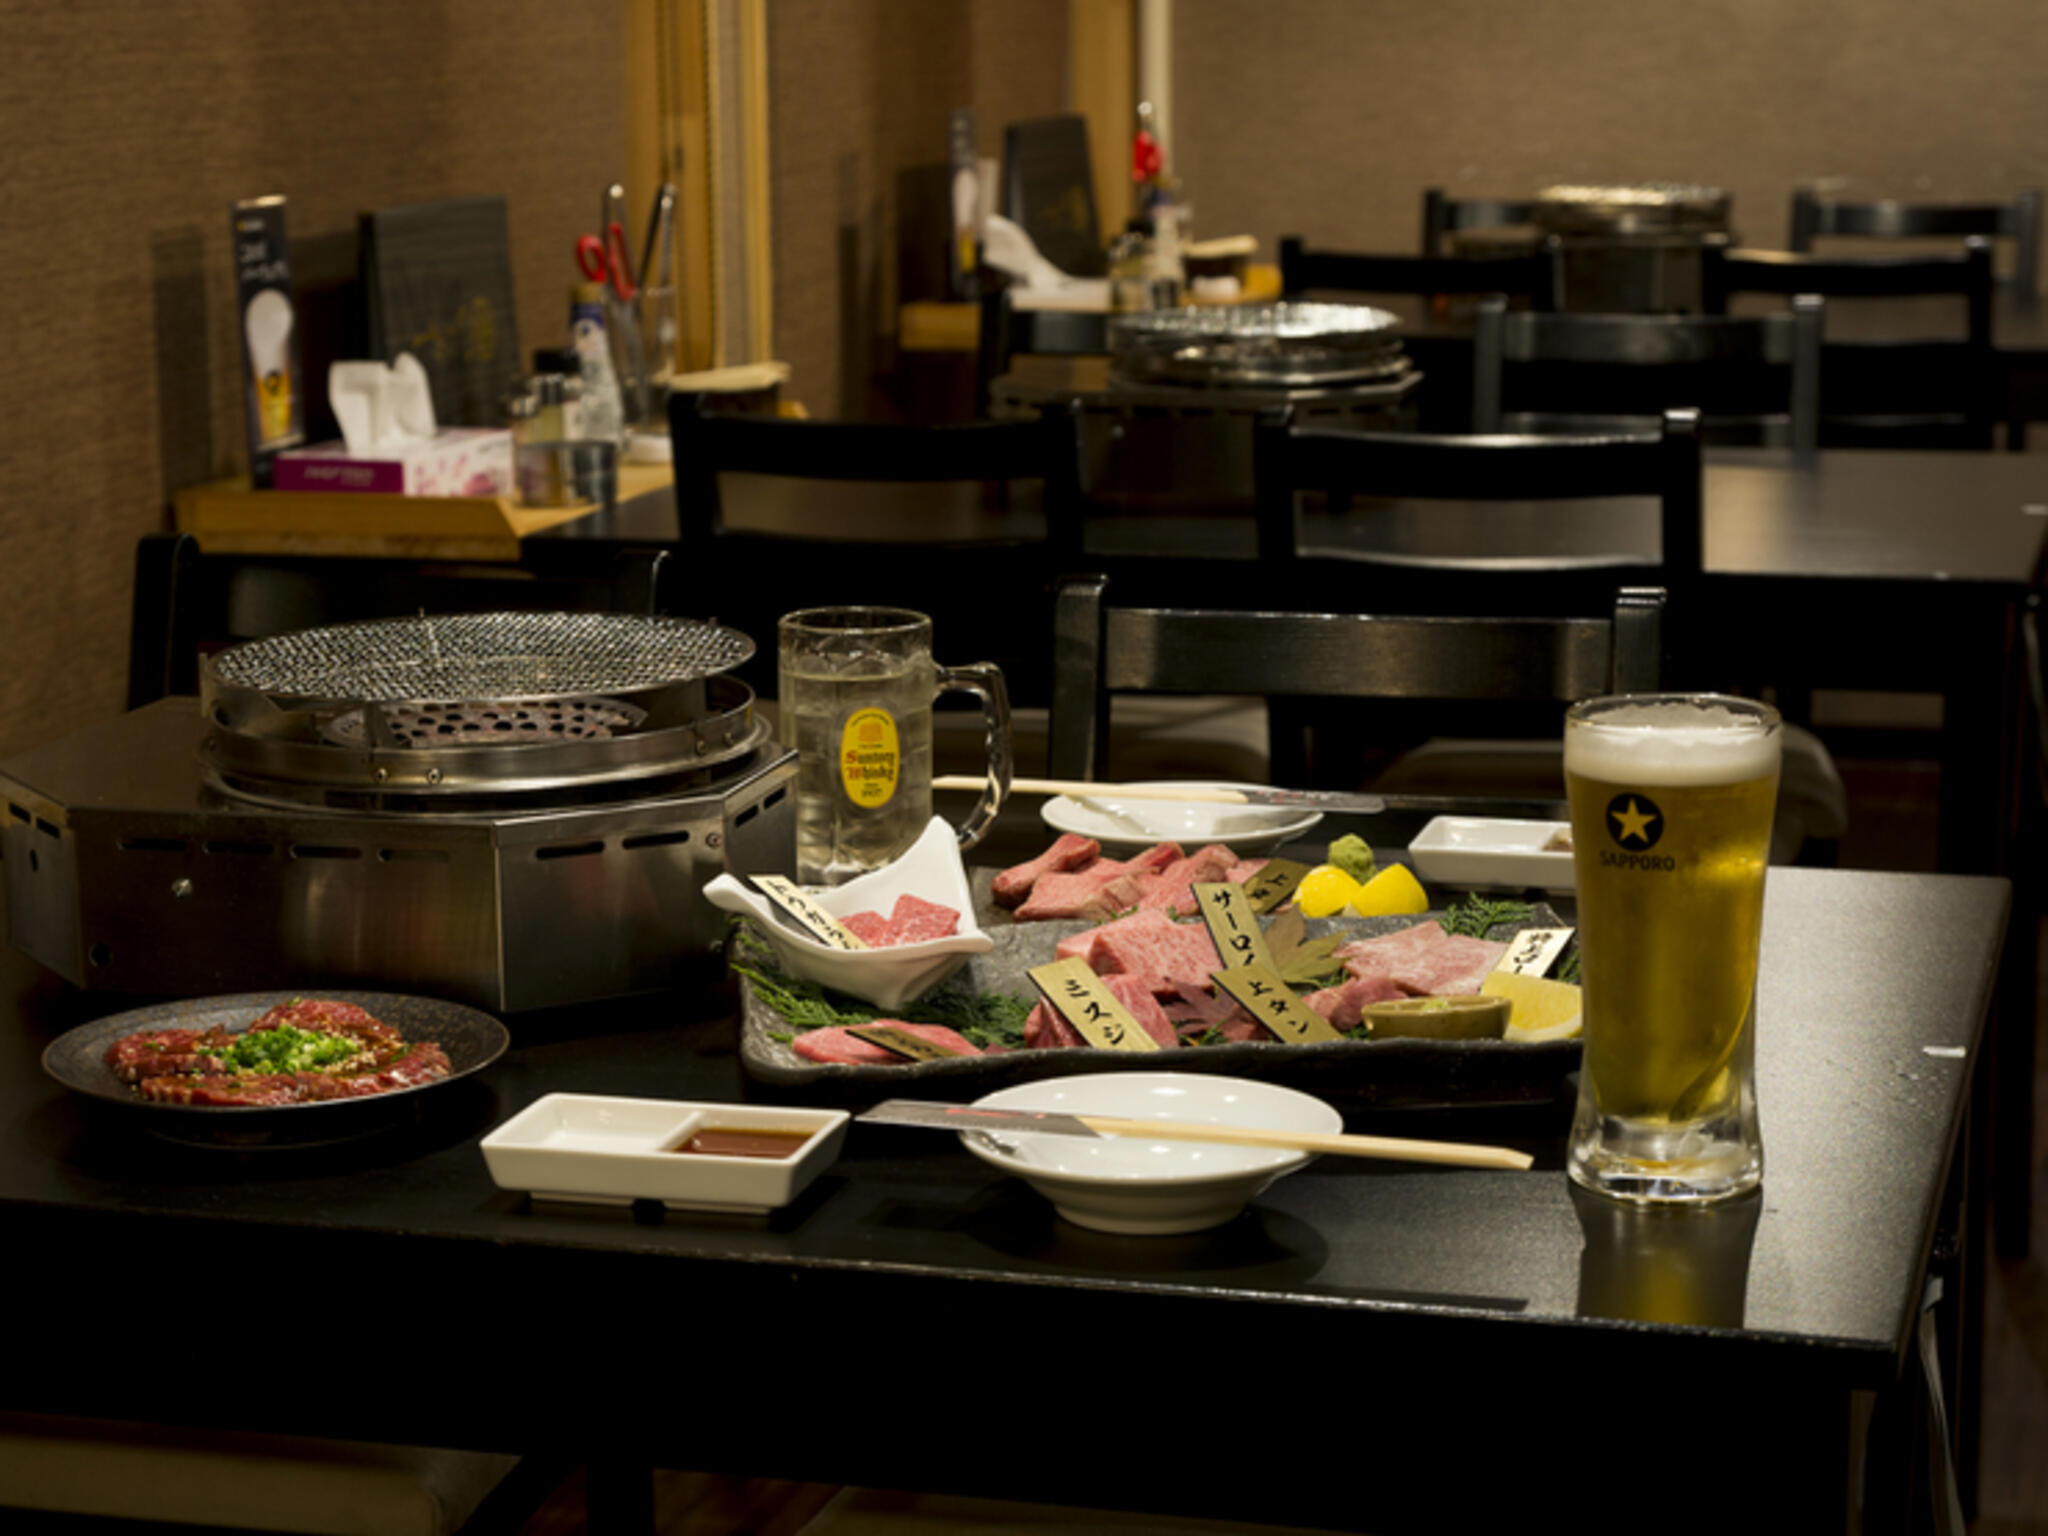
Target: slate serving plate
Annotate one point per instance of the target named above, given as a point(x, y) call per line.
point(77, 1059)
point(1359, 1073)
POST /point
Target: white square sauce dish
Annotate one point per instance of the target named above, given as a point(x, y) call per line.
point(1494, 853)
point(690, 1155)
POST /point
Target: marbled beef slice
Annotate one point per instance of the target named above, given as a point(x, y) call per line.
point(1069, 850)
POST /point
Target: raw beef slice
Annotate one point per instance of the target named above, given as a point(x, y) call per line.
point(1070, 850)
point(1047, 1029)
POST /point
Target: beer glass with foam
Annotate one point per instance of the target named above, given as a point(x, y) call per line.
point(854, 694)
point(1671, 803)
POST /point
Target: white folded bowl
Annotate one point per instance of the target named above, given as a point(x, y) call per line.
point(1139, 1185)
point(887, 977)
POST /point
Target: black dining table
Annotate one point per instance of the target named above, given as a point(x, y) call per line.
point(1370, 1346)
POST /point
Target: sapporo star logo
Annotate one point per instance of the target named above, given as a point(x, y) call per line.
point(1634, 821)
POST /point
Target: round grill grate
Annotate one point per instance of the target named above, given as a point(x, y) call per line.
point(456, 725)
point(468, 658)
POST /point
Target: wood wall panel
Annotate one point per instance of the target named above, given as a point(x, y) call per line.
point(129, 127)
point(859, 91)
point(1326, 118)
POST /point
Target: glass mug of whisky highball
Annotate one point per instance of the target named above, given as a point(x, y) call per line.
point(1672, 797)
point(855, 690)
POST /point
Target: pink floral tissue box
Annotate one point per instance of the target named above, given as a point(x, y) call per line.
point(455, 461)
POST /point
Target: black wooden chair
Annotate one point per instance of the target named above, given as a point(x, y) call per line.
point(1532, 278)
point(1755, 379)
point(1443, 216)
point(1303, 471)
point(1319, 492)
point(1904, 392)
point(967, 522)
point(1814, 217)
point(1106, 648)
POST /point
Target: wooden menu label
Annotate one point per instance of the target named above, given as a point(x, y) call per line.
point(902, 1042)
point(812, 918)
point(1084, 1002)
point(1232, 924)
point(1533, 951)
point(1274, 883)
point(1273, 1003)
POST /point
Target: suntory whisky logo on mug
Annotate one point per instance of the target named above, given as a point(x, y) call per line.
point(1634, 822)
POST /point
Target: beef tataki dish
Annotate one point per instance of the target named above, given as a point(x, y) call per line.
point(302, 1052)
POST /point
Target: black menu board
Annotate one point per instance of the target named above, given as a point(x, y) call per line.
point(1049, 190)
point(437, 282)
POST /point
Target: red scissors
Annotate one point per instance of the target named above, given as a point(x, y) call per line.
point(606, 261)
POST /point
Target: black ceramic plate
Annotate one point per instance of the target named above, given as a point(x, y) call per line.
point(77, 1059)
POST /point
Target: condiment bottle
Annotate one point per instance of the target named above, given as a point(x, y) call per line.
point(604, 411)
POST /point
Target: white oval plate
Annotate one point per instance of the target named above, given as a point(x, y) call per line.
point(1132, 1184)
point(1117, 821)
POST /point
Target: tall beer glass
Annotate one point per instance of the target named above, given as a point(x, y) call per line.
point(1671, 804)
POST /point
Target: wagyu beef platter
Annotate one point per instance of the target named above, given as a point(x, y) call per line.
point(1132, 923)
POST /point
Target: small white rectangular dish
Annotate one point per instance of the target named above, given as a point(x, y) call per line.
point(1492, 853)
point(598, 1150)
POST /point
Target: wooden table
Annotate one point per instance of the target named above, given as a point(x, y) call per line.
point(1423, 1348)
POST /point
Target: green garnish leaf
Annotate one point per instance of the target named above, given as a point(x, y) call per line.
point(1475, 916)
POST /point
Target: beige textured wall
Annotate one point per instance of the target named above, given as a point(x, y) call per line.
point(1326, 118)
point(127, 127)
point(860, 90)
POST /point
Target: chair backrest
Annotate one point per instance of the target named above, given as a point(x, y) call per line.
point(1754, 379)
point(1008, 331)
point(1534, 276)
point(2019, 220)
point(1443, 215)
point(1103, 648)
point(1290, 462)
point(966, 522)
point(1909, 391)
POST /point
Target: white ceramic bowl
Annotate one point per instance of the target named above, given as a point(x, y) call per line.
point(1138, 1185)
point(887, 977)
point(1487, 852)
point(1123, 821)
point(598, 1150)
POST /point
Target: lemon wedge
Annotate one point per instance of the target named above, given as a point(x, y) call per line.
point(1538, 1008)
point(1393, 890)
point(1325, 891)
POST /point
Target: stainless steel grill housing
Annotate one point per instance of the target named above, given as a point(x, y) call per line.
point(339, 806)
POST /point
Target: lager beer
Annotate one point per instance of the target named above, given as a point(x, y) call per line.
point(1671, 804)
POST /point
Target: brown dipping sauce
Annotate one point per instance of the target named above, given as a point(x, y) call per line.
point(743, 1141)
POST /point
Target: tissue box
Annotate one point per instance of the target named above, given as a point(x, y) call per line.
point(455, 461)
